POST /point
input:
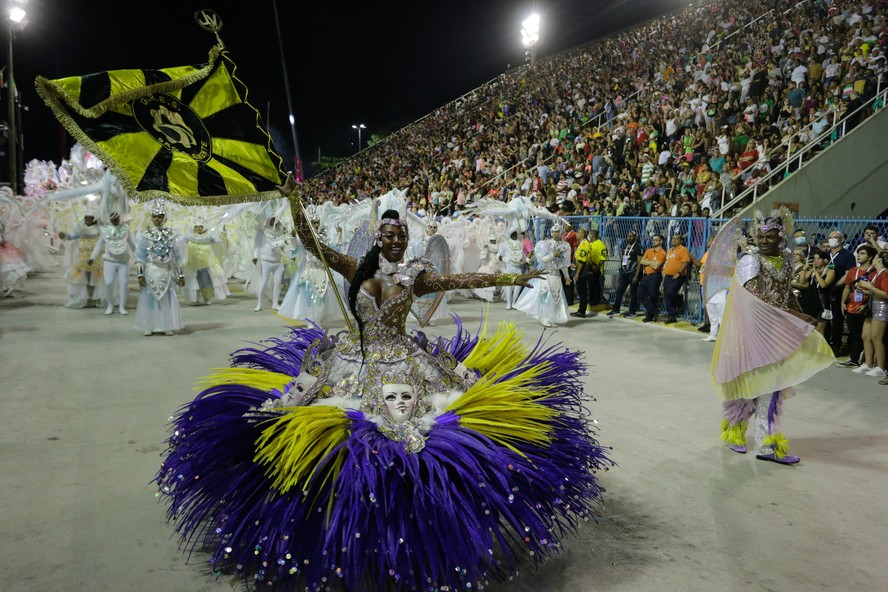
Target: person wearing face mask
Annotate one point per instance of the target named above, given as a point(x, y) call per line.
point(840, 260)
point(800, 239)
point(390, 425)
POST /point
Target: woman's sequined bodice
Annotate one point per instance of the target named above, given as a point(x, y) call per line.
point(384, 321)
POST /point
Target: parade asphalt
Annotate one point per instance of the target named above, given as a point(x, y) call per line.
point(86, 399)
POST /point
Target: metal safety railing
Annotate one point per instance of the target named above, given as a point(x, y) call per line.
point(613, 231)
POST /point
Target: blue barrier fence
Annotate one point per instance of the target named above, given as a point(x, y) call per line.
point(695, 231)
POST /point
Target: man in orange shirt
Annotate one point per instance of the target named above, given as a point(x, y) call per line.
point(675, 274)
point(650, 268)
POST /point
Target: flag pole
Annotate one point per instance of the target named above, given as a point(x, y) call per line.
point(317, 242)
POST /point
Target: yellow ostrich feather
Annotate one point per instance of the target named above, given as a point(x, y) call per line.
point(293, 445)
point(734, 434)
point(260, 379)
point(500, 353)
point(507, 411)
point(779, 443)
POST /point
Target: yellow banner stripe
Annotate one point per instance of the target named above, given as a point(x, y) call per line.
point(123, 109)
point(71, 86)
point(126, 80)
point(176, 72)
point(134, 153)
point(253, 156)
point(234, 181)
point(182, 175)
point(217, 93)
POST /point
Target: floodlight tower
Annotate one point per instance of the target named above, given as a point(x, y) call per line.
point(359, 127)
point(530, 34)
point(16, 21)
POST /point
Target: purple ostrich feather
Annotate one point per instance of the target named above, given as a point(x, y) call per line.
point(460, 345)
point(283, 355)
point(775, 407)
point(738, 410)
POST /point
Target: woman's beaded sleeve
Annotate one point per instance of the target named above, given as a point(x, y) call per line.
point(338, 262)
point(432, 282)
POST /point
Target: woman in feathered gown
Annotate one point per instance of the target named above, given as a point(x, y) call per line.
point(382, 459)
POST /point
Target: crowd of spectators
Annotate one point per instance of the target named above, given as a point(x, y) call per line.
point(671, 117)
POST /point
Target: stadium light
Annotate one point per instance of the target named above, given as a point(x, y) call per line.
point(530, 34)
point(359, 127)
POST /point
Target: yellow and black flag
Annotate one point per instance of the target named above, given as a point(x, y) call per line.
point(185, 133)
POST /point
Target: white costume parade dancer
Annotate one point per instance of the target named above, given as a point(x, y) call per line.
point(114, 246)
point(86, 287)
point(268, 251)
point(204, 277)
point(545, 300)
point(511, 254)
point(13, 266)
point(158, 264)
point(311, 295)
point(490, 263)
point(419, 247)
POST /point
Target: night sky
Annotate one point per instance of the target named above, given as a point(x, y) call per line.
point(382, 64)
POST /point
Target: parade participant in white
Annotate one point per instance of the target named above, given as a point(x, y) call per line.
point(268, 247)
point(204, 276)
point(420, 241)
point(14, 268)
point(158, 265)
point(490, 263)
point(116, 242)
point(419, 247)
point(84, 273)
point(511, 253)
point(311, 295)
point(545, 299)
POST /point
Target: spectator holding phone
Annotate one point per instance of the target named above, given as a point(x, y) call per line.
point(815, 298)
point(855, 306)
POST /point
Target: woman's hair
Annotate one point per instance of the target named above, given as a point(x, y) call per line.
point(367, 268)
point(883, 256)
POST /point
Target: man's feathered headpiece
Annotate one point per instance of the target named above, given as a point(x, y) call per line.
point(780, 219)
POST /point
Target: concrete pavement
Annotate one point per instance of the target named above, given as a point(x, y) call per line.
point(85, 401)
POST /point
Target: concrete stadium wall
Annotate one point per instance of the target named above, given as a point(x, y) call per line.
point(848, 180)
